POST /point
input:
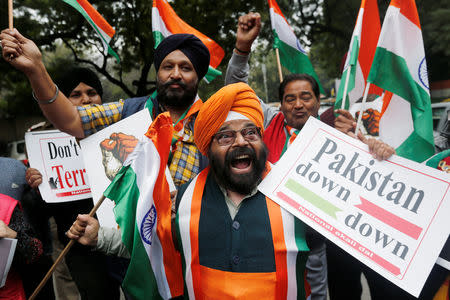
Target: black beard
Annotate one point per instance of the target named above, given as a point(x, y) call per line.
point(243, 184)
point(180, 99)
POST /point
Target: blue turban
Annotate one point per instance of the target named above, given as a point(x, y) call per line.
point(190, 45)
point(73, 77)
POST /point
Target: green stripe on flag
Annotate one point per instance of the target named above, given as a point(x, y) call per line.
point(392, 74)
point(312, 198)
point(139, 280)
point(302, 256)
point(157, 38)
point(211, 74)
point(294, 60)
point(351, 81)
point(81, 10)
point(351, 85)
point(415, 148)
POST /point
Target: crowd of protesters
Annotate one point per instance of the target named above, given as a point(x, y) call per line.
point(225, 147)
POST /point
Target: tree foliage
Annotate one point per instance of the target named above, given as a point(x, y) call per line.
point(323, 26)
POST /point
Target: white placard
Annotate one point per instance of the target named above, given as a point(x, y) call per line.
point(391, 215)
point(7, 250)
point(107, 150)
point(58, 157)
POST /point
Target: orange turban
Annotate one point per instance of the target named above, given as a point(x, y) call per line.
point(238, 97)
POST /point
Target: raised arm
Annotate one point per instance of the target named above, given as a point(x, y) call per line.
point(24, 55)
point(248, 29)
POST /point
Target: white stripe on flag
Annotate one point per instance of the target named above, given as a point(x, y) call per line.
point(292, 251)
point(158, 23)
point(404, 42)
point(184, 226)
point(396, 127)
point(284, 31)
point(146, 175)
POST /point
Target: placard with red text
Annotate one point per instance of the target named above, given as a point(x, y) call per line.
point(58, 157)
point(391, 215)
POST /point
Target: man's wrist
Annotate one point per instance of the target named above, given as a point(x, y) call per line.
point(242, 48)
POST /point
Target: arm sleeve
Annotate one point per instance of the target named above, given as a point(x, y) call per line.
point(98, 116)
point(28, 248)
point(237, 71)
point(110, 242)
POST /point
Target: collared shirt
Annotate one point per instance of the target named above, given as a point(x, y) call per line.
point(232, 207)
point(184, 163)
point(95, 117)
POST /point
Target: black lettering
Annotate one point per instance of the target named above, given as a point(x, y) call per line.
point(387, 178)
point(314, 180)
point(52, 150)
point(365, 172)
point(336, 166)
point(368, 231)
point(397, 248)
point(396, 195)
point(411, 194)
point(325, 150)
point(341, 190)
point(305, 171)
point(382, 236)
point(355, 219)
point(350, 168)
point(373, 181)
point(328, 183)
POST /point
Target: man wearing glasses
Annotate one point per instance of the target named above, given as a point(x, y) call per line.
point(235, 243)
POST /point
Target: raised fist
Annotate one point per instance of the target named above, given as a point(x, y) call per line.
point(115, 151)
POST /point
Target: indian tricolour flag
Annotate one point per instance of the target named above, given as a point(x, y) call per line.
point(360, 55)
point(166, 22)
point(292, 55)
point(143, 213)
point(103, 29)
point(399, 66)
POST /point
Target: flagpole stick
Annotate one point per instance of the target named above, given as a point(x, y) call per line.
point(62, 254)
point(10, 20)
point(363, 104)
point(10, 14)
point(347, 79)
point(279, 64)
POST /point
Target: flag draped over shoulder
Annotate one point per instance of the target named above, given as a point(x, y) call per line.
point(360, 55)
point(399, 66)
point(166, 22)
point(143, 213)
point(292, 55)
point(103, 29)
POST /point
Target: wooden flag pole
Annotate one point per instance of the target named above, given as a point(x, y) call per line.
point(361, 110)
point(63, 253)
point(10, 14)
point(279, 64)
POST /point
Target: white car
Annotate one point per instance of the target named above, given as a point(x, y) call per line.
point(16, 150)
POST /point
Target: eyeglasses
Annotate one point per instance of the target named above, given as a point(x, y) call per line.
point(227, 137)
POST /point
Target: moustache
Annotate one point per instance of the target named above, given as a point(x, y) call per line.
point(238, 152)
point(170, 82)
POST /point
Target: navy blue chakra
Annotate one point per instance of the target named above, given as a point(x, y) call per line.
point(147, 225)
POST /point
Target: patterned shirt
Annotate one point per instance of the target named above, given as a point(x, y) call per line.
point(95, 117)
point(185, 158)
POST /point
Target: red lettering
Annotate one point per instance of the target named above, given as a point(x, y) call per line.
point(68, 176)
point(59, 174)
point(82, 175)
point(74, 173)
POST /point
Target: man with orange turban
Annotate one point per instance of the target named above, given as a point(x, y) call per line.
point(235, 242)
